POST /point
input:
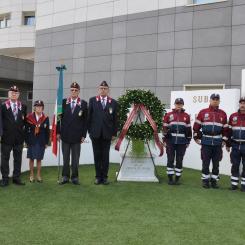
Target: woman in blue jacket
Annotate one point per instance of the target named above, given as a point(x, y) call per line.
point(37, 138)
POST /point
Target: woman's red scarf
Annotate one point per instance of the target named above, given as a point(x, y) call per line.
point(31, 118)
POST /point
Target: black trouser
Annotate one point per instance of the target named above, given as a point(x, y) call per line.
point(101, 149)
point(72, 150)
point(175, 151)
point(208, 153)
point(5, 155)
point(237, 154)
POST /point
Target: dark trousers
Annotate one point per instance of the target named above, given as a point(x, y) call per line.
point(175, 151)
point(72, 150)
point(5, 155)
point(208, 153)
point(237, 155)
point(101, 149)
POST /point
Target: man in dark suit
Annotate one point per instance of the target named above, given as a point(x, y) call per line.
point(1, 124)
point(13, 117)
point(102, 128)
point(72, 131)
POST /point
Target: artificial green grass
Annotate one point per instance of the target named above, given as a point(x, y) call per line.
point(121, 213)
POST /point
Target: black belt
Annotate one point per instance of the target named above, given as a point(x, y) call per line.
point(212, 134)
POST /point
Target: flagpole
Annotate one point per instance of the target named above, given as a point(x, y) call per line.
point(58, 179)
point(57, 117)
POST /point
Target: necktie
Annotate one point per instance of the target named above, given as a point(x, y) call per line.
point(72, 106)
point(103, 103)
point(15, 111)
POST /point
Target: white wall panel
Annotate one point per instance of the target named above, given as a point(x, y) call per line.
point(95, 9)
point(45, 8)
point(120, 7)
point(81, 3)
point(135, 6)
point(100, 11)
point(80, 15)
point(63, 5)
point(64, 18)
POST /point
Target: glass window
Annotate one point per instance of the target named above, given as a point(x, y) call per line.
point(29, 20)
point(3, 93)
point(29, 95)
point(204, 1)
point(8, 22)
point(2, 23)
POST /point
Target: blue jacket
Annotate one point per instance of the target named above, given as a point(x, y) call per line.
point(36, 132)
point(236, 130)
point(211, 126)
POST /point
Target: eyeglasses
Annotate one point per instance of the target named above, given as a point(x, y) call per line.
point(74, 90)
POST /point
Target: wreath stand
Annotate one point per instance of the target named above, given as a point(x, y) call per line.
point(137, 168)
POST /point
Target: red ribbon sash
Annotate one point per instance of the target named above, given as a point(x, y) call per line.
point(129, 121)
point(31, 118)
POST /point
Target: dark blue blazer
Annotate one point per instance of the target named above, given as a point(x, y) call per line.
point(13, 130)
point(73, 125)
point(102, 123)
point(1, 123)
point(42, 138)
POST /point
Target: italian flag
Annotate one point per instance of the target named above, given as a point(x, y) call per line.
point(57, 109)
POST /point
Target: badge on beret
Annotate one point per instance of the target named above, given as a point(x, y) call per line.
point(80, 113)
point(110, 110)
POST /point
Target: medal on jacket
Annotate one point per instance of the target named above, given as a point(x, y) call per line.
point(206, 116)
point(171, 117)
point(80, 113)
point(110, 110)
point(44, 125)
point(234, 120)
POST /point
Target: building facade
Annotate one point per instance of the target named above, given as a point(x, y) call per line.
point(161, 45)
point(17, 41)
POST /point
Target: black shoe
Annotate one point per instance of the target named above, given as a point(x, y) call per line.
point(105, 182)
point(75, 181)
point(64, 181)
point(97, 181)
point(177, 182)
point(243, 188)
point(234, 187)
point(18, 182)
point(205, 184)
point(4, 183)
point(170, 180)
point(214, 184)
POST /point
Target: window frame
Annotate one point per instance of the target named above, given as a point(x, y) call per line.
point(3, 90)
point(204, 86)
point(30, 14)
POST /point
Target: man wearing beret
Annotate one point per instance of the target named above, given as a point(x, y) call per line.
point(177, 135)
point(72, 131)
point(102, 128)
point(237, 143)
point(1, 124)
point(13, 117)
point(211, 131)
